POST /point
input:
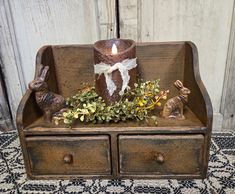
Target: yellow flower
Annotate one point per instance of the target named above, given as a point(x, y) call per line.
point(159, 104)
point(140, 103)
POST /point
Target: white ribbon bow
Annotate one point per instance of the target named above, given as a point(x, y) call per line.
point(123, 68)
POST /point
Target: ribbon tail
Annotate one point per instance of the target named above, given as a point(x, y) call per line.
point(110, 84)
point(130, 63)
point(125, 79)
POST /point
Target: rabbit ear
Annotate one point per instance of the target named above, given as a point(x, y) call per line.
point(178, 84)
point(39, 70)
point(45, 73)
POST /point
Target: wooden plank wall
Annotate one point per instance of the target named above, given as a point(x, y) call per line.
point(10, 61)
point(206, 23)
point(228, 99)
point(5, 117)
point(28, 25)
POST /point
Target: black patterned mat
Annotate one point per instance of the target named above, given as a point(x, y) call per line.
point(221, 174)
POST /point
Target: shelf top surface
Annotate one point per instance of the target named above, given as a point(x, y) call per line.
point(191, 123)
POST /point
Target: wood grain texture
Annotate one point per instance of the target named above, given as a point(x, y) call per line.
point(89, 155)
point(106, 18)
point(206, 23)
point(151, 60)
point(55, 22)
point(190, 121)
point(5, 117)
point(228, 99)
point(10, 61)
point(51, 22)
point(28, 25)
point(180, 154)
point(154, 61)
point(167, 61)
point(157, 57)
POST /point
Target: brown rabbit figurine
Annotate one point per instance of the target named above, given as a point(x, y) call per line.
point(174, 106)
point(49, 102)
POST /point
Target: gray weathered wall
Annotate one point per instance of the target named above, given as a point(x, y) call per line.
point(29, 24)
point(206, 23)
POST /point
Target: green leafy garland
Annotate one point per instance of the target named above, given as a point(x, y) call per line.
point(135, 104)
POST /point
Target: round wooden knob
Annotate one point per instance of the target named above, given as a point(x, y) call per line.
point(68, 158)
point(159, 158)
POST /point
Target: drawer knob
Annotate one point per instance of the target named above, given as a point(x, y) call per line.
point(159, 158)
point(68, 158)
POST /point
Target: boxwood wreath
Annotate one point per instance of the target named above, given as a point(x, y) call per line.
point(135, 104)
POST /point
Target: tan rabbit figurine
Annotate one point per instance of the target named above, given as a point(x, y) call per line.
point(49, 102)
point(174, 106)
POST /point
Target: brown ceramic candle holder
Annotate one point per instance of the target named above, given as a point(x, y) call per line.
point(103, 54)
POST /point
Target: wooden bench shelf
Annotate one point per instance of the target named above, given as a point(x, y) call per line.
point(172, 149)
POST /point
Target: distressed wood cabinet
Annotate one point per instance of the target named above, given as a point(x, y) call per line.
point(160, 154)
point(173, 149)
point(69, 155)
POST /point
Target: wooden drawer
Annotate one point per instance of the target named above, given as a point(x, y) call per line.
point(160, 154)
point(80, 155)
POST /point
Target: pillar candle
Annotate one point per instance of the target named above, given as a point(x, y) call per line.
point(115, 68)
